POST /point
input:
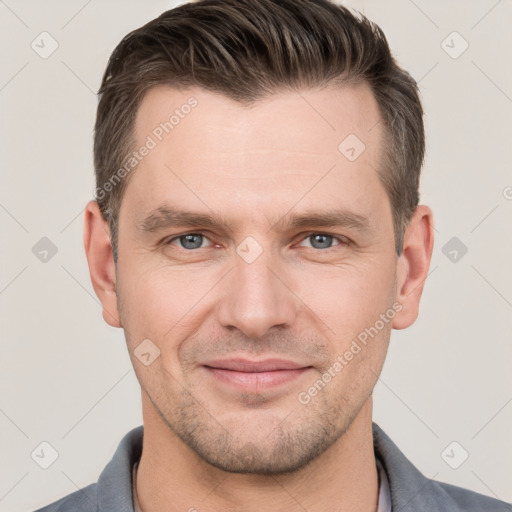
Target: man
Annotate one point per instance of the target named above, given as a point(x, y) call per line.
point(257, 234)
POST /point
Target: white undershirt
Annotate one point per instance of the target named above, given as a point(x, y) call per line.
point(384, 504)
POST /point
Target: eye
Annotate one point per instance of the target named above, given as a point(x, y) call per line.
point(321, 241)
point(189, 241)
point(324, 240)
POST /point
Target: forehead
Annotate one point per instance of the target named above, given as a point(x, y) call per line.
point(306, 116)
point(209, 150)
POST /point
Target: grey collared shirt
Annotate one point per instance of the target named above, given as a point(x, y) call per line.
point(410, 491)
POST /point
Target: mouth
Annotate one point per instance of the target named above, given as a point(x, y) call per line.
point(255, 376)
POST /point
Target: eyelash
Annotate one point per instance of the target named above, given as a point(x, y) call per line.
point(342, 240)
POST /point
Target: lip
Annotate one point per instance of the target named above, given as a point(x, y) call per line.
point(255, 376)
point(245, 365)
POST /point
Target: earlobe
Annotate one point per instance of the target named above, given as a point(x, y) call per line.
point(98, 250)
point(413, 265)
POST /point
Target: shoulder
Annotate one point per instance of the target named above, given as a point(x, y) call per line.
point(83, 500)
point(411, 491)
point(113, 490)
point(469, 501)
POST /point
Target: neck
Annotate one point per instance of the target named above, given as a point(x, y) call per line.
point(171, 476)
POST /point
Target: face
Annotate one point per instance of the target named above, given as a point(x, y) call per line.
point(256, 248)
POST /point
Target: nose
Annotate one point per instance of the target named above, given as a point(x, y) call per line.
point(257, 297)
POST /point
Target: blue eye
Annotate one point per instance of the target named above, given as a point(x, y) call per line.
point(322, 240)
point(190, 241)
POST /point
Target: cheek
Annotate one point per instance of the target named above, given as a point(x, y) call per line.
point(161, 306)
point(166, 305)
point(349, 297)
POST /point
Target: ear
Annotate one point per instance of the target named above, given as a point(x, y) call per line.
point(100, 259)
point(413, 265)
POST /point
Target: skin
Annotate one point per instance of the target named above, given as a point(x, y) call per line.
point(210, 445)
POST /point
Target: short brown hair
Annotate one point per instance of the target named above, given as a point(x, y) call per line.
point(246, 50)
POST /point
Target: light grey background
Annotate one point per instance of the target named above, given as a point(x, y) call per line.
point(65, 375)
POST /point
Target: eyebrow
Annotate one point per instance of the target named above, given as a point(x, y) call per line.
point(165, 217)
